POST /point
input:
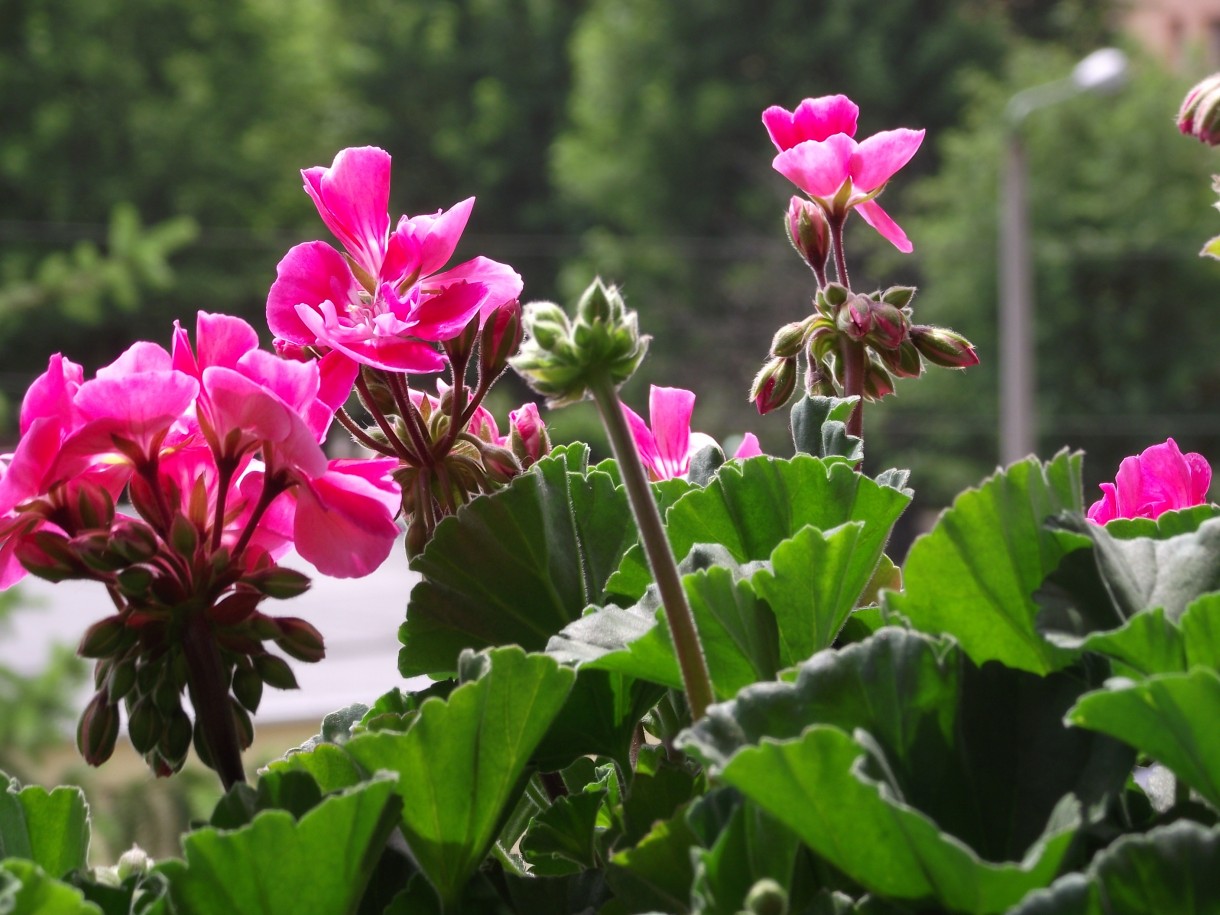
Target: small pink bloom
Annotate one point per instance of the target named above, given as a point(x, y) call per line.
point(749, 447)
point(819, 155)
point(667, 447)
point(1159, 479)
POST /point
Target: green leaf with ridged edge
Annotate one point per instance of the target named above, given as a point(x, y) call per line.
point(50, 828)
point(818, 786)
point(819, 427)
point(542, 547)
point(655, 875)
point(1171, 869)
point(974, 574)
point(1170, 717)
point(560, 838)
point(812, 582)
point(462, 765)
point(26, 889)
point(281, 866)
point(752, 506)
point(982, 753)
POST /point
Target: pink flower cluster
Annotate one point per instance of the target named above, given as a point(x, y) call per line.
point(668, 446)
point(222, 439)
point(387, 301)
point(1159, 479)
point(818, 153)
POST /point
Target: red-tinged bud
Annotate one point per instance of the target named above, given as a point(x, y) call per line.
point(500, 339)
point(1199, 115)
point(877, 381)
point(278, 582)
point(903, 362)
point(527, 436)
point(95, 507)
point(889, 327)
point(459, 347)
point(299, 639)
point(49, 556)
point(809, 232)
point(943, 347)
point(854, 317)
point(293, 352)
point(380, 398)
point(898, 296)
point(93, 550)
point(819, 380)
point(121, 678)
point(245, 725)
point(830, 298)
point(104, 638)
point(248, 687)
point(143, 498)
point(773, 385)
point(134, 540)
point(235, 608)
point(134, 581)
point(417, 537)
point(274, 672)
point(98, 730)
point(183, 536)
point(144, 725)
point(176, 740)
point(499, 464)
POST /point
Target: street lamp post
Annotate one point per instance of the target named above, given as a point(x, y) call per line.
point(1101, 72)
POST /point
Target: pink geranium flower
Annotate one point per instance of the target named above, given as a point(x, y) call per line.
point(1159, 479)
point(818, 154)
point(388, 301)
point(667, 447)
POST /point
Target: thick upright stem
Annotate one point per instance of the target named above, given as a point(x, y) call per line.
point(209, 689)
point(691, 661)
point(853, 383)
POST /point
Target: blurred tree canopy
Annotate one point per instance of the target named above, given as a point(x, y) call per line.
point(150, 155)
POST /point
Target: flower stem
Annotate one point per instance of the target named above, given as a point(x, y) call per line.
point(853, 383)
point(691, 660)
point(836, 243)
point(209, 691)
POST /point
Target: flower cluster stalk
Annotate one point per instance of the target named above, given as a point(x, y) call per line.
point(691, 661)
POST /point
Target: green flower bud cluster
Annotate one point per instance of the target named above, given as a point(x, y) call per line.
point(879, 323)
point(562, 358)
point(163, 586)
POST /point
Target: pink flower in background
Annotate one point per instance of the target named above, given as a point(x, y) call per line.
point(667, 447)
point(818, 154)
point(1159, 479)
point(388, 301)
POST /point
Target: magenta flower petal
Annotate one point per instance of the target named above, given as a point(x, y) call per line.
point(222, 339)
point(1159, 479)
point(670, 410)
point(422, 245)
point(345, 518)
point(877, 158)
point(749, 447)
point(394, 354)
point(870, 211)
point(139, 357)
point(645, 444)
point(353, 199)
point(446, 314)
point(51, 393)
point(502, 284)
point(309, 274)
point(813, 119)
point(818, 168)
point(143, 403)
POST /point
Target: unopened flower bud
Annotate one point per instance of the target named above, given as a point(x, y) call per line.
point(855, 317)
point(527, 435)
point(819, 380)
point(104, 638)
point(898, 296)
point(299, 639)
point(234, 608)
point(889, 327)
point(809, 232)
point(903, 362)
point(98, 730)
point(564, 360)
point(500, 339)
point(877, 381)
point(830, 297)
point(459, 347)
point(134, 861)
point(144, 725)
point(774, 384)
point(278, 582)
point(48, 555)
point(943, 347)
point(1199, 115)
point(247, 687)
point(499, 463)
point(767, 897)
point(274, 672)
point(134, 540)
point(375, 394)
point(95, 507)
point(789, 340)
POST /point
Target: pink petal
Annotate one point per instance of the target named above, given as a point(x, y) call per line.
point(502, 284)
point(446, 314)
point(749, 447)
point(223, 339)
point(422, 245)
point(294, 383)
point(871, 212)
point(881, 155)
point(819, 168)
point(309, 274)
point(813, 119)
point(139, 357)
point(141, 404)
point(51, 394)
point(394, 354)
point(345, 521)
point(670, 410)
point(644, 442)
point(353, 199)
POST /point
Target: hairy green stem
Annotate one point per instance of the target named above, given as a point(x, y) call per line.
point(209, 689)
point(691, 660)
point(836, 244)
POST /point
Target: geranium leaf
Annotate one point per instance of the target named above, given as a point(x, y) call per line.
point(1170, 717)
point(281, 865)
point(462, 764)
point(543, 547)
point(819, 428)
point(655, 875)
point(750, 846)
point(973, 575)
point(27, 888)
point(560, 838)
point(1174, 868)
point(752, 506)
point(818, 787)
point(50, 828)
